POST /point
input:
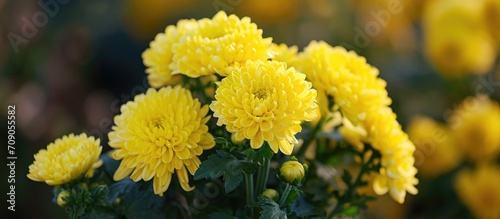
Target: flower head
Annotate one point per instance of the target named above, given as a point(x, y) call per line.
point(282, 53)
point(68, 158)
point(217, 44)
point(475, 126)
point(159, 133)
point(345, 76)
point(363, 101)
point(456, 37)
point(158, 57)
point(436, 149)
point(479, 190)
point(265, 101)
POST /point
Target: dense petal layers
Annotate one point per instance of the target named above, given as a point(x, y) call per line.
point(159, 133)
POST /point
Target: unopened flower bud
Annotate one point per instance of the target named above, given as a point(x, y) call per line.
point(270, 193)
point(292, 171)
point(61, 198)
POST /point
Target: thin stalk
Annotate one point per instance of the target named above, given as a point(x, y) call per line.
point(284, 196)
point(262, 177)
point(250, 192)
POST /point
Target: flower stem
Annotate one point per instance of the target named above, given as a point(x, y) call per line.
point(284, 196)
point(250, 192)
point(262, 177)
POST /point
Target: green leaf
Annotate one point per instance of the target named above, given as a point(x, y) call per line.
point(350, 211)
point(347, 177)
point(233, 176)
point(293, 195)
point(303, 209)
point(270, 209)
point(212, 168)
point(110, 165)
point(226, 165)
point(137, 199)
point(248, 167)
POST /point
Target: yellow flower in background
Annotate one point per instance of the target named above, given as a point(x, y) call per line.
point(475, 126)
point(158, 57)
point(457, 40)
point(282, 53)
point(159, 133)
point(479, 190)
point(217, 44)
point(68, 158)
point(437, 152)
point(363, 100)
point(265, 101)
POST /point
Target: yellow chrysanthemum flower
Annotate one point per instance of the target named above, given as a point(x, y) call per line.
point(474, 125)
point(159, 133)
point(354, 135)
point(217, 44)
point(282, 53)
point(437, 152)
point(68, 158)
point(158, 57)
point(265, 101)
point(397, 174)
point(348, 78)
point(363, 100)
point(456, 38)
point(479, 190)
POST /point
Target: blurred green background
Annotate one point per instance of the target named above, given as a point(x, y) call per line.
point(68, 65)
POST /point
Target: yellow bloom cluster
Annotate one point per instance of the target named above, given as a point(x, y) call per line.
point(68, 158)
point(159, 133)
point(265, 101)
point(479, 190)
point(363, 100)
point(457, 38)
point(204, 47)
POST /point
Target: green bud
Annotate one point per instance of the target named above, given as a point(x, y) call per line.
point(61, 198)
point(292, 171)
point(270, 193)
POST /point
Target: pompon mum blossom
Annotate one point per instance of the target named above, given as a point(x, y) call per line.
point(363, 100)
point(265, 101)
point(217, 44)
point(159, 133)
point(66, 159)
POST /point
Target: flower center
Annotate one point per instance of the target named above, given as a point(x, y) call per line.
point(157, 123)
point(261, 94)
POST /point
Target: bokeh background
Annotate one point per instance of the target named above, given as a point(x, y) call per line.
point(68, 65)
